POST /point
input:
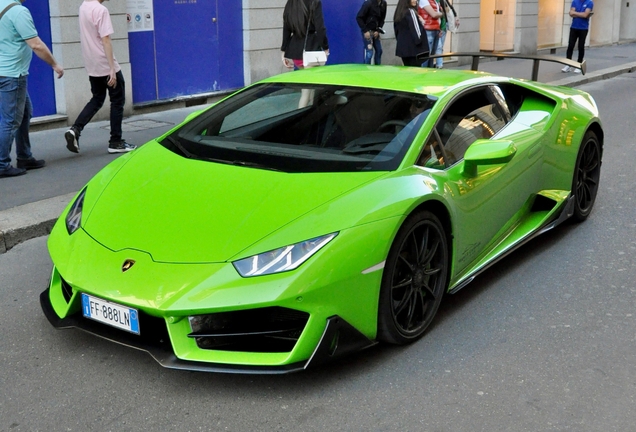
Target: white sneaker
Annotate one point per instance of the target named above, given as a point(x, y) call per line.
point(72, 140)
point(566, 69)
point(120, 147)
point(577, 70)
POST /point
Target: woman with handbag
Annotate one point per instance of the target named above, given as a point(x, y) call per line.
point(411, 40)
point(303, 30)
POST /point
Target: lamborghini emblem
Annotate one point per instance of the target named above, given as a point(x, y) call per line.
point(127, 265)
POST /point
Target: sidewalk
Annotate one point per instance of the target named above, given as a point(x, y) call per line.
point(30, 204)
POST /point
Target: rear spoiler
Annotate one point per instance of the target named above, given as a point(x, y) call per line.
point(502, 56)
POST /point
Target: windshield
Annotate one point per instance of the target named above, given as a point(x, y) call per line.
point(306, 128)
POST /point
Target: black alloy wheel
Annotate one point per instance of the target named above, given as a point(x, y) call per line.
point(587, 173)
point(414, 279)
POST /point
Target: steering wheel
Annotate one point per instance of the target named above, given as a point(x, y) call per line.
point(395, 123)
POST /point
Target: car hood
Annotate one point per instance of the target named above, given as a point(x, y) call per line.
point(188, 211)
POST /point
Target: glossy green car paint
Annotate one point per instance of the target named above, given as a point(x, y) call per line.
point(185, 221)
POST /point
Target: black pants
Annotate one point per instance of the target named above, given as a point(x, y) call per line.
point(117, 96)
point(411, 61)
point(574, 35)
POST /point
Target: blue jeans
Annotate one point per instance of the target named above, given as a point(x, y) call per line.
point(15, 118)
point(440, 48)
point(433, 37)
point(376, 46)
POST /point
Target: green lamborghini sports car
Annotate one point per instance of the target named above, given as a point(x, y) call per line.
point(318, 212)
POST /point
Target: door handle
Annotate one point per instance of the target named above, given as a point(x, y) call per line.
point(214, 19)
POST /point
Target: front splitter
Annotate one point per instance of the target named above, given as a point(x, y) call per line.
point(339, 339)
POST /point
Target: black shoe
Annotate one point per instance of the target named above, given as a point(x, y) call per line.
point(72, 139)
point(12, 172)
point(32, 163)
point(120, 147)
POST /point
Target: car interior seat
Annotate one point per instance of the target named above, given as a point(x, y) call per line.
point(362, 115)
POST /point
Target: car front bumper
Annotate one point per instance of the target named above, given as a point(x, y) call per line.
point(339, 339)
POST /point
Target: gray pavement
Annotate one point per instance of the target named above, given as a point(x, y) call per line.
point(30, 204)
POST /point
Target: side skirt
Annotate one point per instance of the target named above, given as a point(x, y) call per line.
point(566, 212)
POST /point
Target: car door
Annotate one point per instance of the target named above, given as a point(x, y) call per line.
point(491, 201)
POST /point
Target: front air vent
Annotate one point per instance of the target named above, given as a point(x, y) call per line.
point(271, 329)
point(542, 204)
point(67, 291)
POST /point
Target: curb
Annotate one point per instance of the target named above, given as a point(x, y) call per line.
point(28, 221)
point(603, 74)
point(32, 220)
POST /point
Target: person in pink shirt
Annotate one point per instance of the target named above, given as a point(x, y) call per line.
point(104, 74)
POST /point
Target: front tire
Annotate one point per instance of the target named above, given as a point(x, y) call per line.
point(414, 279)
point(587, 173)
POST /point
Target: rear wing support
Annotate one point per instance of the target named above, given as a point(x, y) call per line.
point(536, 59)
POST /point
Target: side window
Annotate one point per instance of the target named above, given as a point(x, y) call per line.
point(477, 114)
point(432, 156)
point(512, 96)
point(501, 101)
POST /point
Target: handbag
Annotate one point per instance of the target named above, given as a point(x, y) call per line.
point(451, 23)
point(312, 58)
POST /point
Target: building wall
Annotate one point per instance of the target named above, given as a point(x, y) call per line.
point(605, 23)
point(262, 33)
point(73, 91)
point(526, 25)
point(627, 18)
point(467, 38)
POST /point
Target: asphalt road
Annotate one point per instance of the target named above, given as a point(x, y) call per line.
point(543, 341)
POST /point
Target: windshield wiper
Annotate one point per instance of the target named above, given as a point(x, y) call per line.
point(182, 149)
point(253, 165)
point(189, 155)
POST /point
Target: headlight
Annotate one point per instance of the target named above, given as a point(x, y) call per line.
point(283, 259)
point(74, 215)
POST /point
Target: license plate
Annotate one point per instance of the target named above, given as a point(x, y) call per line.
point(106, 312)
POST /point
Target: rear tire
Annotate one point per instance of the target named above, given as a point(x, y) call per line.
point(587, 173)
point(414, 279)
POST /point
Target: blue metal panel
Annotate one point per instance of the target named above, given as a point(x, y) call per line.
point(41, 86)
point(141, 46)
point(230, 21)
point(345, 41)
point(186, 42)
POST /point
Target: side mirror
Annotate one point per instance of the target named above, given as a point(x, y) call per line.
point(487, 152)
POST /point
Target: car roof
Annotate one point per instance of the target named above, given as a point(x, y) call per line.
point(398, 78)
